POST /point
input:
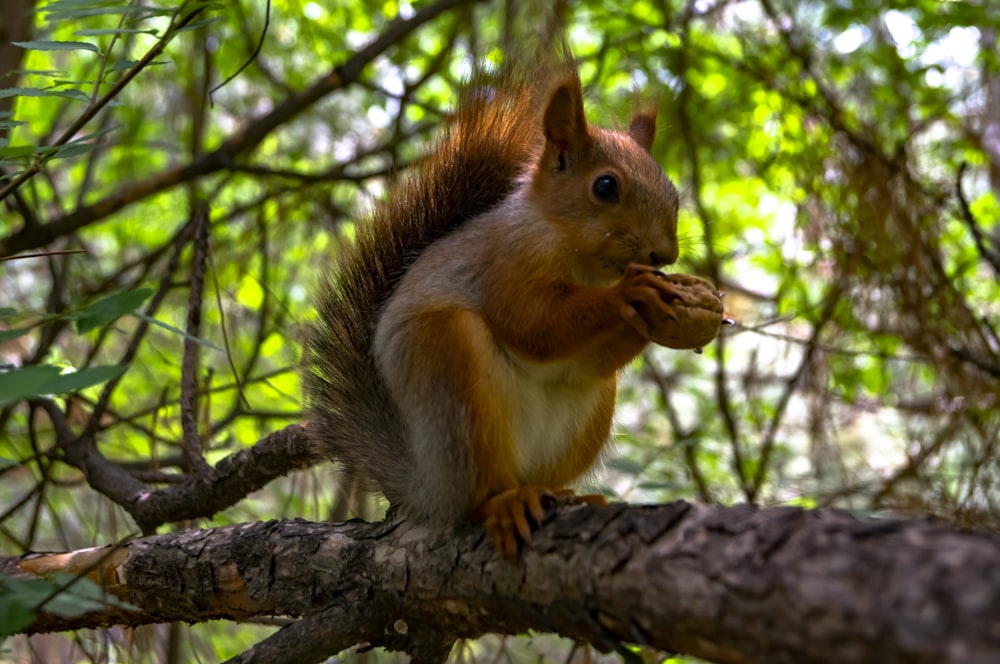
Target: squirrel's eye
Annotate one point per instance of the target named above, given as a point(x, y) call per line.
point(606, 188)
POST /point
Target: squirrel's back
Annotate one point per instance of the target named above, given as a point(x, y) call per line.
point(493, 137)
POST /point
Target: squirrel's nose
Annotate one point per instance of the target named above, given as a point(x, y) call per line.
point(663, 256)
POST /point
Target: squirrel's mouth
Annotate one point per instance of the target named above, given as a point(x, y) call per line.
point(618, 266)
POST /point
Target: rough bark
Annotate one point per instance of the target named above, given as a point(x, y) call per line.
point(737, 584)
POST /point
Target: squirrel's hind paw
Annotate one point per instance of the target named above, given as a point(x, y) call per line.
point(506, 515)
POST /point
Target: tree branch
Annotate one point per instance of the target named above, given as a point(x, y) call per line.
point(241, 142)
point(737, 584)
point(193, 496)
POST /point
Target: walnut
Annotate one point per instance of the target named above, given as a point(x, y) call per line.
point(697, 313)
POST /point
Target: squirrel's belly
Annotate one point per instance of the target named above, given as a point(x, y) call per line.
point(559, 427)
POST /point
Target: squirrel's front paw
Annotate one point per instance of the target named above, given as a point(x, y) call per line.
point(673, 310)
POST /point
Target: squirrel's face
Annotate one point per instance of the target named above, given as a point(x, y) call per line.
point(611, 202)
point(605, 196)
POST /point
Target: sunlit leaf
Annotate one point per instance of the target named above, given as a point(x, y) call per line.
point(41, 45)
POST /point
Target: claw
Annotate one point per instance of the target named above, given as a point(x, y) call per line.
point(506, 517)
point(509, 515)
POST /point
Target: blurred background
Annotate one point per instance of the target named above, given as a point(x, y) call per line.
point(839, 164)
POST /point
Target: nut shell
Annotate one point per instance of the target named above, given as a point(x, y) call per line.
point(697, 310)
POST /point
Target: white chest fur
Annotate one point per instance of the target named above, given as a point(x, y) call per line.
point(549, 413)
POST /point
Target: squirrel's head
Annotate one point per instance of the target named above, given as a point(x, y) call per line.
point(603, 192)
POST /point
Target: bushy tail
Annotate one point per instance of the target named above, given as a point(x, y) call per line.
point(495, 134)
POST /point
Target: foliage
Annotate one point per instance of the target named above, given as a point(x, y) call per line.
point(64, 595)
point(841, 175)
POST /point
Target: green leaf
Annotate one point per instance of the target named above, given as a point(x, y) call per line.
point(74, 149)
point(117, 31)
point(18, 151)
point(20, 599)
point(7, 312)
point(77, 380)
point(198, 340)
point(15, 614)
point(110, 309)
point(21, 92)
point(30, 591)
point(37, 380)
point(71, 93)
point(206, 5)
point(25, 382)
point(123, 65)
point(77, 599)
point(86, 592)
point(37, 72)
point(7, 335)
point(43, 45)
point(38, 92)
point(83, 144)
point(199, 24)
point(64, 9)
point(128, 64)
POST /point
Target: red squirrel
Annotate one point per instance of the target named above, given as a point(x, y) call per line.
point(467, 346)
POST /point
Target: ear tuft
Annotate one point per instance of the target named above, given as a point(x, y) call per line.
point(642, 129)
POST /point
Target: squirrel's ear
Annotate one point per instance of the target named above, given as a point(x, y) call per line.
point(565, 123)
point(642, 129)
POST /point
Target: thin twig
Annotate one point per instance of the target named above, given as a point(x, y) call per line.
point(253, 56)
point(189, 367)
point(989, 255)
